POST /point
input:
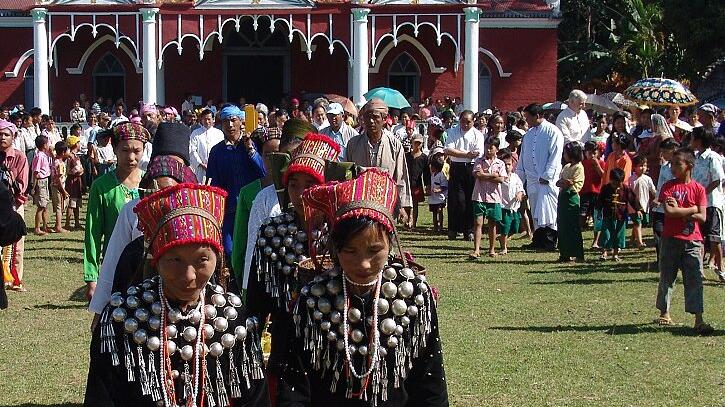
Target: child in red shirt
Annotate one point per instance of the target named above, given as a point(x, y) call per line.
point(685, 204)
point(594, 168)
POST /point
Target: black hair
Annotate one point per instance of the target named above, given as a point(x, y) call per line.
point(448, 115)
point(493, 140)
point(41, 141)
point(705, 136)
point(574, 150)
point(61, 147)
point(616, 174)
point(436, 163)
point(687, 154)
point(206, 112)
point(504, 154)
point(512, 135)
point(466, 112)
point(621, 140)
point(638, 160)
point(24, 116)
point(534, 109)
point(35, 111)
point(75, 127)
point(346, 229)
point(669, 144)
point(591, 146)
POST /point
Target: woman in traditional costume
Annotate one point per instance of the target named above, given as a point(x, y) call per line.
point(176, 339)
point(366, 331)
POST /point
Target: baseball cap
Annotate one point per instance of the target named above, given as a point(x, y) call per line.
point(335, 108)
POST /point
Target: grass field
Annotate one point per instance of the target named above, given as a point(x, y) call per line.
point(517, 330)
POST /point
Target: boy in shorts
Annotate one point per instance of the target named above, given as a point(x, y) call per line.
point(58, 194)
point(42, 163)
point(438, 192)
point(489, 172)
point(512, 192)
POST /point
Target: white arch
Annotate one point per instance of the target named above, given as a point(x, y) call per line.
point(414, 42)
point(78, 70)
point(495, 60)
point(16, 69)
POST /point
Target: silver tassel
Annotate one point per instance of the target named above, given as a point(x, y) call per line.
point(142, 377)
point(188, 382)
point(155, 386)
point(336, 375)
point(221, 390)
point(108, 337)
point(348, 390)
point(235, 390)
point(128, 359)
point(209, 390)
point(384, 380)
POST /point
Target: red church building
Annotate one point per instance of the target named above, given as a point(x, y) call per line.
point(489, 52)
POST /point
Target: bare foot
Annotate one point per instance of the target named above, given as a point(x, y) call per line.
point(504, 252)
point(39, 232)
point(61, 230)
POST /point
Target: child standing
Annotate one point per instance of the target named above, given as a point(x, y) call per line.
point(58, 194)
point(685, 205)
point(512, 192)
point(513, 137)
point(489, 172)
point(42, 162)
point(667, 148)
point(570, 183)
point(593, 171)
point(644, 190)
point(104, 157)
point(613, 200)
point(419, 176)
point(618, 158)
point(74, 183)
point(438, 192)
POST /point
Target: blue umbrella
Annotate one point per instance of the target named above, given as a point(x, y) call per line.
point(391, 97)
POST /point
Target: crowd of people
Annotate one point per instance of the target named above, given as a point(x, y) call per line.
point(235, 210)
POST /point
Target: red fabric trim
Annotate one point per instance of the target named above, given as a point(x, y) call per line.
point(322, 137)
point(181, 242)
point(320, 178)
point(170, 190)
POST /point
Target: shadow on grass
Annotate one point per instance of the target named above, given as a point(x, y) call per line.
point(590, 267)
point(54, 238)
point(45, 405)
point(59, 306)
point(74, 260)
point(591, 281)
point(79, 295)
point(628, 329)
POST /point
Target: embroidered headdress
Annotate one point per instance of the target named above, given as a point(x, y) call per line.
point(130, 131)
point(310, 156)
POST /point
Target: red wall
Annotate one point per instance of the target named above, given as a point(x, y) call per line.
point(185, 73)
point(16, 42)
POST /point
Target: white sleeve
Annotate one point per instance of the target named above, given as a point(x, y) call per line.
point(122, 235)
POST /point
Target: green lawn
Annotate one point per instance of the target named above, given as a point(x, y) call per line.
point(518, 330)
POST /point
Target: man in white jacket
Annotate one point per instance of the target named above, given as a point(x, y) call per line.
point(202, 140)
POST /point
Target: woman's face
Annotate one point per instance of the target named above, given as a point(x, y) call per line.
point(497, 125)
point(186, 269)
point(128, 153)
point(619, 125)
point(296, 184)
point(364, 255)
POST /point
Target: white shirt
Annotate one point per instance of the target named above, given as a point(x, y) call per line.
point(187, 106)
point(592, 135)
point(118, 119)
point(468, 141)
point(322, 125)
point(502, 143)
point(146, 157)
point(125, 232)
point(29, 137)
point(78, 115)
point(509, 188)
point(265, 205)
point(90, 133)
point(202, 140)
point(573, 125)
point(708, 169)
point(105, 153)
point(642, 187)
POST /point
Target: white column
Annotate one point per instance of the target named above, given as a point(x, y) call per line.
point(160, 86)
point(41, 89)
point(361, 61)
point(470, 63)
point(148, 16)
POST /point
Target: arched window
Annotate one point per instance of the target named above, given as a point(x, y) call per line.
point(109, 78)
point(404, 76)
point(484, 87)
point(29, 86)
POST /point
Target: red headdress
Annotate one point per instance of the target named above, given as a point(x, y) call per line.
point(182, 214)
point(309, 157)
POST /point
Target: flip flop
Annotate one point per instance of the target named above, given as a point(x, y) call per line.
point(662, 321)
point(473, 256)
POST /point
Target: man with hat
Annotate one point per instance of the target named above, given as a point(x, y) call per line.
point(233, 164)
point(707, 115)
point(338, 130)
point(202, 140)
point(377, 147)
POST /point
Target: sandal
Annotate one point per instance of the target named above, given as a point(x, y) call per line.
point(703, 329)
point(474, 256)
point(664, 321)
point(503, 252)
point(492, 254)
point(616, 258)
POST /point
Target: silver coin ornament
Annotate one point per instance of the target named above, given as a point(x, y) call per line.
point(116, 300)
point(240, 332)
point(331, 336)
point(288, 241)
point(353, 349)
point(392, 342)
point(407, 272)
point(235, 300)
point(187, 352)
point(363, 350)
point(354, 315)
point(269, 231)
point(210, 311)
point(318, 290)
point(335, 317)
point(154, 323)
point(356, 335)
point(132, 290)
point(292, 229)
point(171, 346)
point(389, 273)
point(171, 331)
point(419, 300)
point(282, 251)
point(423, 287)
point(220, 324)
point(276, 241)
point(290, 258)
point(412, 310)
point(268, 251)
point(195, 316)
point(218, 300)
point(230, 313)
point(282, 230)
point(324, 305)
point(405, 321)
point(286, 270)
point(189, 333)
point(228, 340)
point(148, 296)
point(301, 258)
point(216, 349)
point(340, 302)
point(398, 330)
point(142, 314)
point(382, 352)
point(399, 307)
point(130, 325)
point(289, 217)
point(340, 344)
point(387, 326)
point(325, 325)
point(299, 248)
point(369, 321)
point(174, 315)
point(132, 302)
point(118, 314)
point(383, 306)
point(208, 331)
point(273, 256)
point(140, 336)
point(406, 289)
point(317, 315)
point(153, 343)
point(390, 290)
point(156, 308)
point(175, 374)
point(334, 286)
point(261, 242)
point(311, 303)
point(301, 236)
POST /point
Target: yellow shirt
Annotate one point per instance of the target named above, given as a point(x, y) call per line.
point(574, 173)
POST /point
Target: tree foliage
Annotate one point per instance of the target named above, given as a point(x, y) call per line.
point(606, 44)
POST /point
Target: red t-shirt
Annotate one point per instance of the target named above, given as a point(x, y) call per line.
point(592, 180)
point(687, 195)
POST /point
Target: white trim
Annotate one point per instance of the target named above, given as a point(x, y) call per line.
point(16, 70)
point(16, 22)
point(78, 70)
point(414, 42)
point(518, 23)
point(495, 60)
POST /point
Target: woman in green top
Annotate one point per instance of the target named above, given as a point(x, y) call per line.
point(108, 194)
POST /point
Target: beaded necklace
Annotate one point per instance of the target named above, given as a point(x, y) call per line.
point(375, 341)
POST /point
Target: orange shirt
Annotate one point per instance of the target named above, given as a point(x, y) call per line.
point(623, 162)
